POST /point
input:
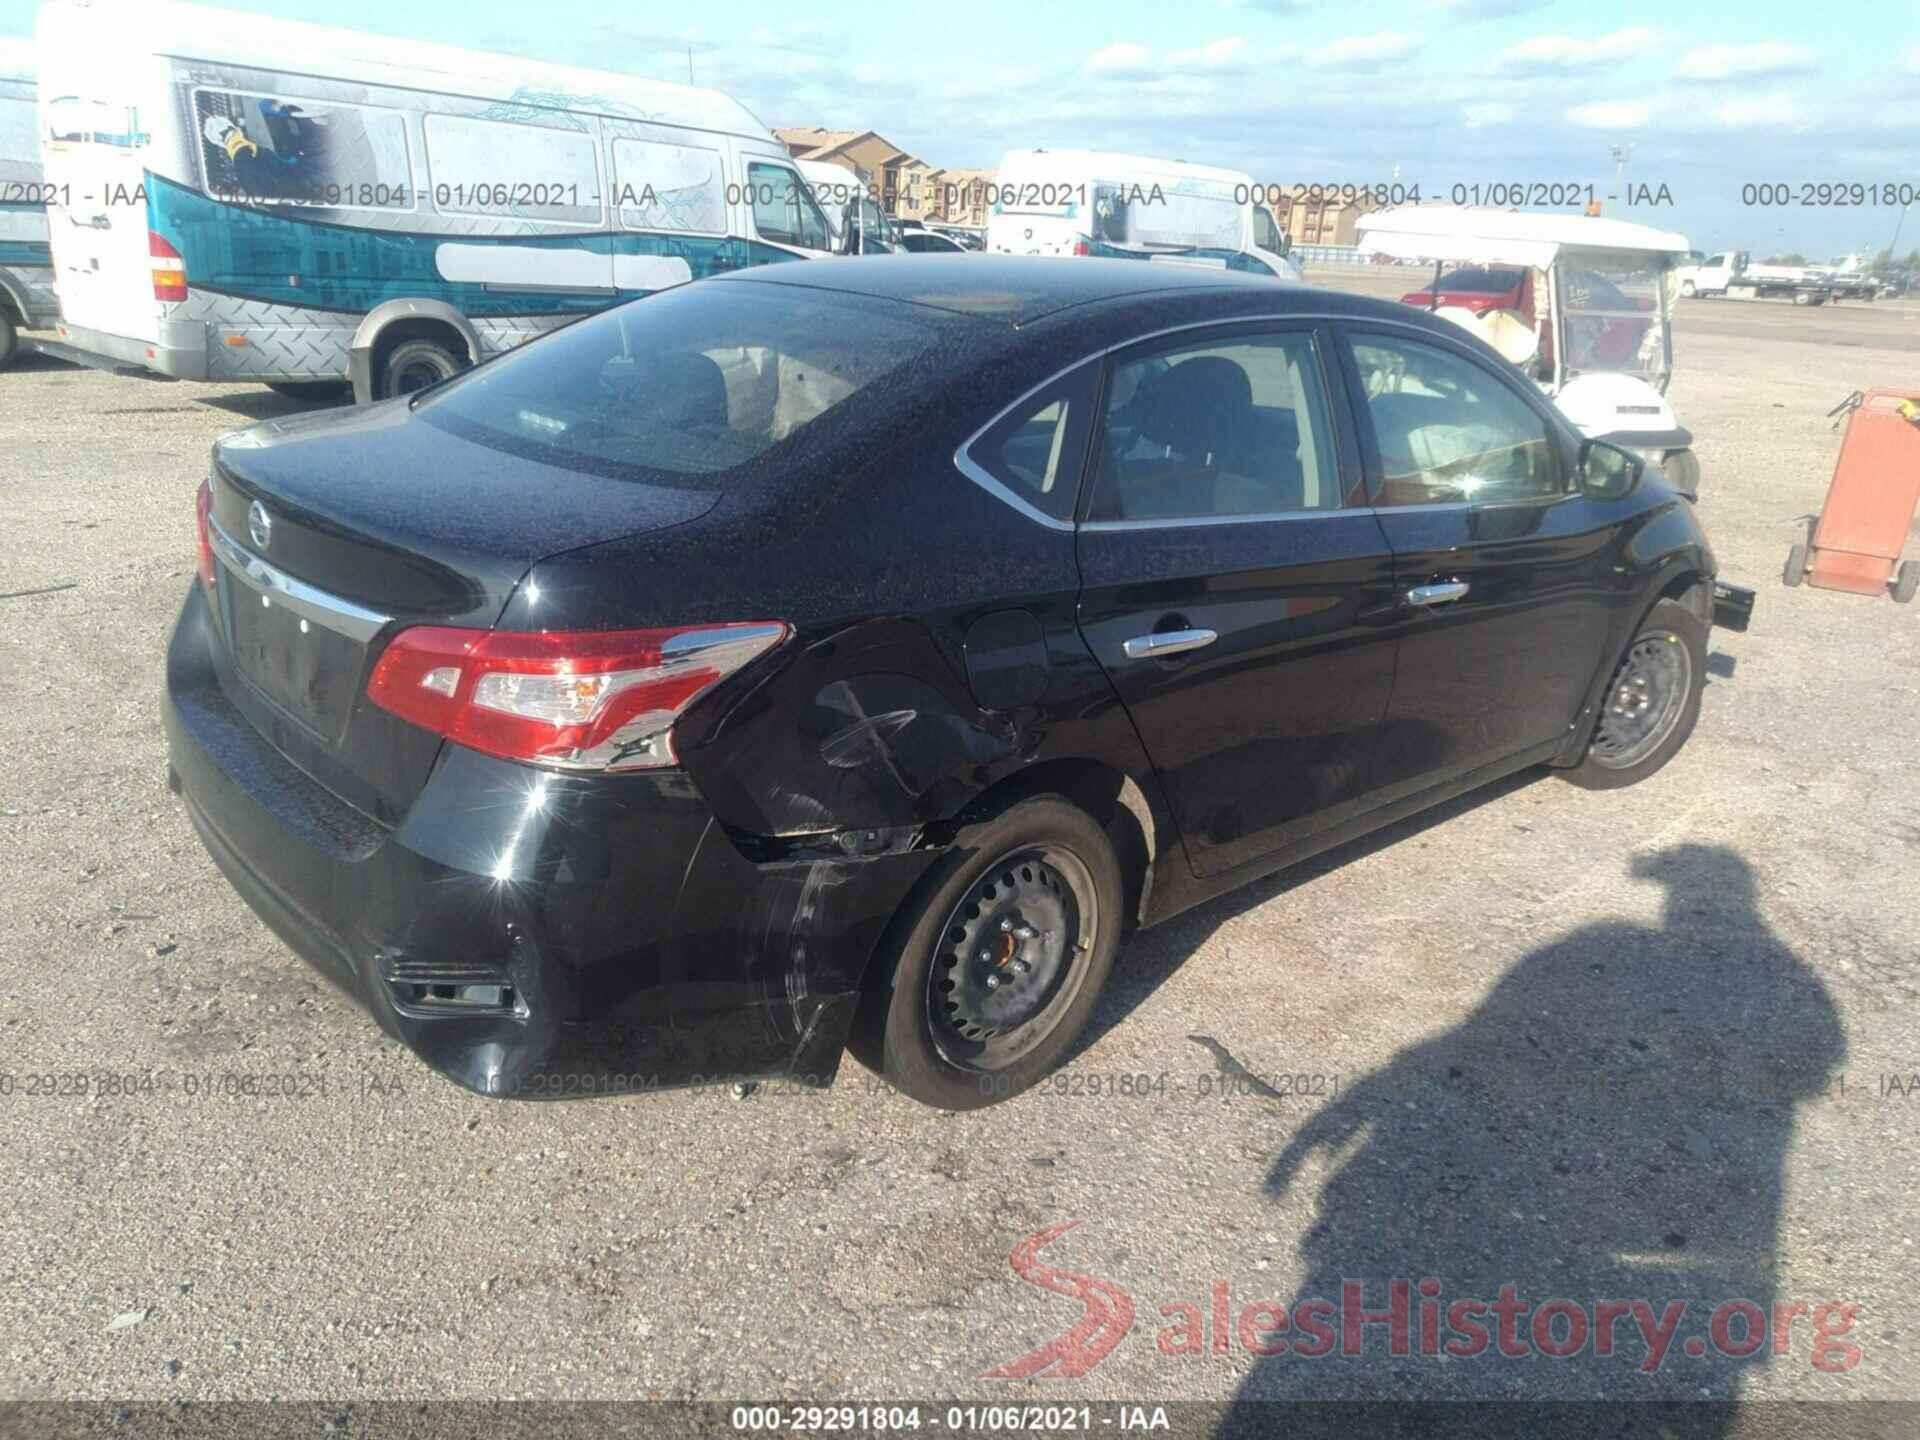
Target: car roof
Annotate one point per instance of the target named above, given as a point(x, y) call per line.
point(1014, 289)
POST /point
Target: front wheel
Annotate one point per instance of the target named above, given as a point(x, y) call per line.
point(9, 339)
point(1651, 703)
point(1686, 289)
point(998, 962)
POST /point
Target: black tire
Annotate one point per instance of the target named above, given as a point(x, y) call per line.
point(1643, 725)
point(1796, 570)
point(313, 392)
point(1686, 289)
point(1042, 861)
point(415, 364)
point(1906, 582)
point(9, 339)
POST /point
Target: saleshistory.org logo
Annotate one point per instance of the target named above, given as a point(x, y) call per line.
point(1414, 1317)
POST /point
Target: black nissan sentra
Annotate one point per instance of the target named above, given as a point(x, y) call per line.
point(848, 654)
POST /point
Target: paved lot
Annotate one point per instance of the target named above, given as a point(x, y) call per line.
point(1595, 1046)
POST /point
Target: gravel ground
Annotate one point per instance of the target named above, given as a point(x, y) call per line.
point(1628, 1045)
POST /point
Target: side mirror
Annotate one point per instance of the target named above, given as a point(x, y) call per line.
point(1608, 472)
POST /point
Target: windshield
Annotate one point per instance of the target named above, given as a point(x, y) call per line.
point(1612, 315)
point(1479, 280)
point(688, 383)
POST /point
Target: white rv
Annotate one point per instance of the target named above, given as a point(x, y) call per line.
point(1087, 202)
point(26, 272)
point(239, 198)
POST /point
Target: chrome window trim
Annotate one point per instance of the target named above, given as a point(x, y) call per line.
point(343, 617)
point(970, 468)
point(1186, 522)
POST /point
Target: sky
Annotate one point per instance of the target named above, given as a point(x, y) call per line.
point(1711, 97)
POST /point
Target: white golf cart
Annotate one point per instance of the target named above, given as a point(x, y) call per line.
point(1581, 303)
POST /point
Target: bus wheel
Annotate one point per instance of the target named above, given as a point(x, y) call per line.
point(9, 339)
point(413, 365)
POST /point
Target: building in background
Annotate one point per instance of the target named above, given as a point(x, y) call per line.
point(899, 181)
point(1312, 217)
point(960, 197)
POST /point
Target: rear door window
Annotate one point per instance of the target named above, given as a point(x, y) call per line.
point(1230, 428)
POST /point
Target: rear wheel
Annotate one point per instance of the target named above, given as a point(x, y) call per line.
point(9, 339)
point(1796, 570)
point(1651, 702)
point(998, 962)
point(413, 365)
point(1907, 582)
point(1686, 289)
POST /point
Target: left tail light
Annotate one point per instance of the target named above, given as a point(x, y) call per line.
point(1081, 247)
point(581, 700)
point(203, 533)
point(169, 268)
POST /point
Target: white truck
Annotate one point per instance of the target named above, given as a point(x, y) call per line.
point(1849, 278)
point(1733, 274)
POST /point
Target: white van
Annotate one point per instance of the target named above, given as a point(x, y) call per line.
point(858, 224)
point(239, 198)
point(1087, 202)
point(26, 270)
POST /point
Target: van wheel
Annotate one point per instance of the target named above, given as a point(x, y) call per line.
point(9, 339)
point(999, 960)
point(413, 365)
point(1651, 703)
point(1686, 288)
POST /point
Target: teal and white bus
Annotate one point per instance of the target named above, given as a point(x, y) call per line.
point(26, 269)
point(234, 198)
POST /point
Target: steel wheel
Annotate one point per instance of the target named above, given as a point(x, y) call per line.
point(1011, 957)
point(1644, 701)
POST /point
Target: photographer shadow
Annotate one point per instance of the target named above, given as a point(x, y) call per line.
point(1611, 1124)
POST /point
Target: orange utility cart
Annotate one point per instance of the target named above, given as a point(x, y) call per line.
point(1857, 539)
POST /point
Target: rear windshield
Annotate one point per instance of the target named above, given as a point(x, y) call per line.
point(689, 383)
point(1479, 280)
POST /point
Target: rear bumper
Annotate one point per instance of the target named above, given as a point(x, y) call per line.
point(180, 350)
point(532, 935)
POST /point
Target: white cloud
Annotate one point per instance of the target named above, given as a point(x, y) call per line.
point(1220, 55)
point(1778, 112)
point(1569, 52)
point(1362, 52)
point(1489, 9)
point(1121, 59)
point(1488, 114)
point(1609, 115)
point(1725, 62)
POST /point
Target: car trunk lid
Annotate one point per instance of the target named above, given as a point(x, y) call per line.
point(332, 532)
